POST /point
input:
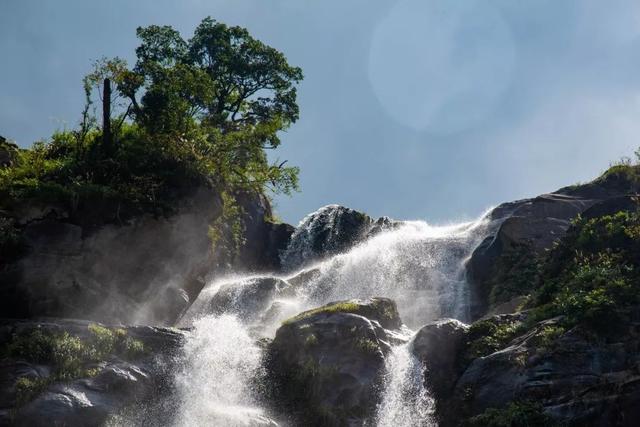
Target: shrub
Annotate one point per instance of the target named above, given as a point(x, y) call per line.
point(591, 277)
point(488, 336)
point(70, 357)
point(516, 414)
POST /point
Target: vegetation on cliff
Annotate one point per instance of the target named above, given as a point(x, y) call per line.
point(592, 275)
point(203, 111)
point(576, 304)
point(69, 356)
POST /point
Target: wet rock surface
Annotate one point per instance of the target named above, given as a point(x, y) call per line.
point(438, 346)
point(247, 299)
point(141, 269)
point(327, 363)
point(328, 231)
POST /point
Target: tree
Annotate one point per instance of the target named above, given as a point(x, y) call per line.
point(221, 86)
point(192, 112)
point(106, 71)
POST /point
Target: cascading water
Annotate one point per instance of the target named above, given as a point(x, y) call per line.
point(417, 265)
point(405, 401)
point(221, 362)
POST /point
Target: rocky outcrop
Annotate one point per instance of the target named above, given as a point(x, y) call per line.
point(145, 269)
point(327, 363)
point(522, 230)
point(438, 346)
point(328, 231)
point(265, 239)
point(572, 378)
point(114, 383)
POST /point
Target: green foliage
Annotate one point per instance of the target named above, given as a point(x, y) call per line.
point(70, 357)
point(547, 336)
point(367, 346)
point(625, 170)
point(518, 273)
point(190, 112)
point(592, 276)
point(113, 341)
point(28, 389)
point(11, 244)
point(488, 336)
point(227, 231)
point(516, 414)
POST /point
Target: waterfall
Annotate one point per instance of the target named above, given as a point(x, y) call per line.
point(405, 401)
point(418, 265)
point(215, 385)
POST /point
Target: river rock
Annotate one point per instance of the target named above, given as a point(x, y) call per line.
point(327, 363)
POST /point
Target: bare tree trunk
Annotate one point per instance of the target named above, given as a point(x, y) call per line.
point(107, 136)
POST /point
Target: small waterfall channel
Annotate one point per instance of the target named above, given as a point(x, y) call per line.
point(418, 265)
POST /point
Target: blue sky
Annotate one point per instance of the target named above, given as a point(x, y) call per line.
point(418, 109)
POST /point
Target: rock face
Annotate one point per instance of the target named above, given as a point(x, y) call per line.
point(145, 270)
point(8, 152)
point(327, 363)
point(265, 239)
point(438, 346)
point(328, 231)
point(88, 401)
point(524, 229)
point(574, 379)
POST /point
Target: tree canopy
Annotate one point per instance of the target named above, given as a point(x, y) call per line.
point(199, 110)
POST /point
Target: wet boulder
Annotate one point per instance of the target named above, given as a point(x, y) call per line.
point(327, 363)
point(438, 346)
point(248, 298)
point(328, 231)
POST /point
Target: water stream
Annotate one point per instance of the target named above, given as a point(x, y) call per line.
point(418, 265)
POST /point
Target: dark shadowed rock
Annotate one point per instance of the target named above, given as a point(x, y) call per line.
point(328, 363)
point(264, 239)
point(438, 346)
point(8, 152)
point(144, 269)
point(89, 401)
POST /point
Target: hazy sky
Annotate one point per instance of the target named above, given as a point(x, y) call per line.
point(431, 109)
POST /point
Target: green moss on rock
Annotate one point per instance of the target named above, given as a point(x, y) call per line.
point(70, 357)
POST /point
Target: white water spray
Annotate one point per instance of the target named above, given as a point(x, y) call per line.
point(215, 386)
point(419, 266)
point(405, 401)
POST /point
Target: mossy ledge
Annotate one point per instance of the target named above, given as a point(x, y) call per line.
point(382, 310)
point(70, 356)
